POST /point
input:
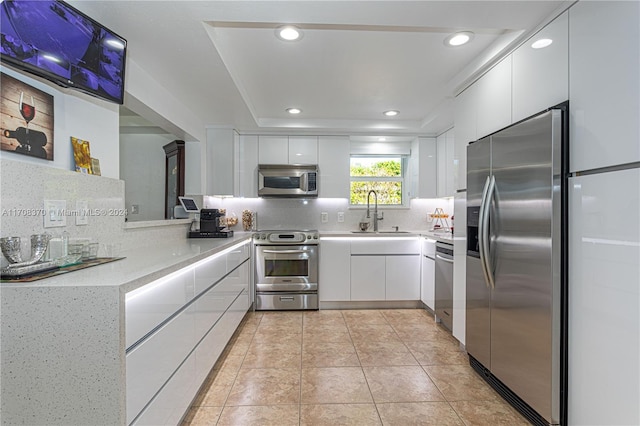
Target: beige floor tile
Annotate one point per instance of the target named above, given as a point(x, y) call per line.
point(274, 355)
point(419, 413)
point(343, 361)
point(323, 317)
point(265, 386)
point(373, 333)
point(334, 385)
point(384, 353)
point(335, 326)
point(401, 384)
point(202, 416)
point(217, 390)
point(276, 415)
point(339, 414)
point(460, 383)
point(327, 334)
point(493, 412)
point(230, 362)
point(271, 336)
point(362, 316)
point(437, 352)
point(329, 354)
point(406, 316)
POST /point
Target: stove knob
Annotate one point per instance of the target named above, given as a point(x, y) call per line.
point(263, 236)
point(315, 236)
point(308, 237)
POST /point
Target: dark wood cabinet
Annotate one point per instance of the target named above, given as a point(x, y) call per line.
point(174, 176)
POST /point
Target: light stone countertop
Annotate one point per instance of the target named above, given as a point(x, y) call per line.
point(140, 267)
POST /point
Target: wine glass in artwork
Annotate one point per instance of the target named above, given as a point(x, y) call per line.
point(27, 109)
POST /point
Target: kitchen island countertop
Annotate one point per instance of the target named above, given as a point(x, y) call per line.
point(140, 266)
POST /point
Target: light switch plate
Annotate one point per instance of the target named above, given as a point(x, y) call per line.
point(340, 217)
point(324, 217)
point(82, 208)
point(55, 213)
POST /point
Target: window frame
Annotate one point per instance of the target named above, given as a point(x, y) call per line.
point(404, 164)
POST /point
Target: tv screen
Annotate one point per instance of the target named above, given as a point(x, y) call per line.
point(55, 41)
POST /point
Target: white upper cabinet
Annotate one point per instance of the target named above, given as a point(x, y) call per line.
point(604, 41)
point(423, 168)
point(333, 166)
point(541, 76)
point(446, 165)
point(494, 97)
point(246, 183)
point(220, 151)
point(288, 150)
point(303, 150)
point(466, 117)
point(273, 149)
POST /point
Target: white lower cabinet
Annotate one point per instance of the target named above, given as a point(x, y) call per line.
point(428, 274)
point(385, 277)
point(402, 277)
point(368, 277)
point(335, 270)
point(166, 367)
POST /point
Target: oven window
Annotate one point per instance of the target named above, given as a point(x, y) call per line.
point(286, 268)
point(282, 182)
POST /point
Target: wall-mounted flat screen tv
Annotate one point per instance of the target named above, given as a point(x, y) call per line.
point(54, 40)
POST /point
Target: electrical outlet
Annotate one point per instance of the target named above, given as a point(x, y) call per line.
point(324, 217)
point(82, 208)
point(340, 217)
point(135, 208)
point(55, 213)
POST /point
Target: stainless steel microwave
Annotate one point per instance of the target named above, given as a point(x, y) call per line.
point(285, 180)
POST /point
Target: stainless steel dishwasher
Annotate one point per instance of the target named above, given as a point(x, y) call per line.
point(444, 283)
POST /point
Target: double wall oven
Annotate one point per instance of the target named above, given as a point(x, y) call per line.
point(286, 272)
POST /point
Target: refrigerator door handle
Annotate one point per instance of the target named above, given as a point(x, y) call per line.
point(485, 233)
point(481, 231)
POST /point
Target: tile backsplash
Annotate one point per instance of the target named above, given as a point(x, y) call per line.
point(307, 214)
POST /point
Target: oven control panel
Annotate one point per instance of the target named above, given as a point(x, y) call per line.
point(286, 237)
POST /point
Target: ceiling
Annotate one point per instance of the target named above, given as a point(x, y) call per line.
point(356, 59)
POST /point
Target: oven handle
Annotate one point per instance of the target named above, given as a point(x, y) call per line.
point(285, 251)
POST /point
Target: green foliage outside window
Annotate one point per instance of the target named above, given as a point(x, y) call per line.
point(384, 175)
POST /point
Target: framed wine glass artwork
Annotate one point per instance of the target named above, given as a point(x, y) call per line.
point(26, 119)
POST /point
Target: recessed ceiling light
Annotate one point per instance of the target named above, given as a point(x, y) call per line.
point(288, 33)
point(459, 38)
point(382, 139)
point(294, 110)
point(543, 42)
point(391, 113)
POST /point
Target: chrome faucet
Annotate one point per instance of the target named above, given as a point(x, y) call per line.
point(375, 210)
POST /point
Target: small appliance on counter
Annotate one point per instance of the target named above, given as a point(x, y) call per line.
point(211, 225)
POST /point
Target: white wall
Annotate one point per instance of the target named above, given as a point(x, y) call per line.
point(81, 116)
point(144, 88)
point(142, 164)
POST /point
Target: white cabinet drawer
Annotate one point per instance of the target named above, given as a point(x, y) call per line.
point(150, 364)
point(168, 407)
point(211, 305)
point(215, 341)
point(385, 245)
point(209, 272)
point(238, 255)
point(149, 306)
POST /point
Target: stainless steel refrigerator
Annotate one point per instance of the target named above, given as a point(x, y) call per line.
point(516, 301)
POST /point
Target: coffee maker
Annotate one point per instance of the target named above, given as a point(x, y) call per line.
point(211, 225)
